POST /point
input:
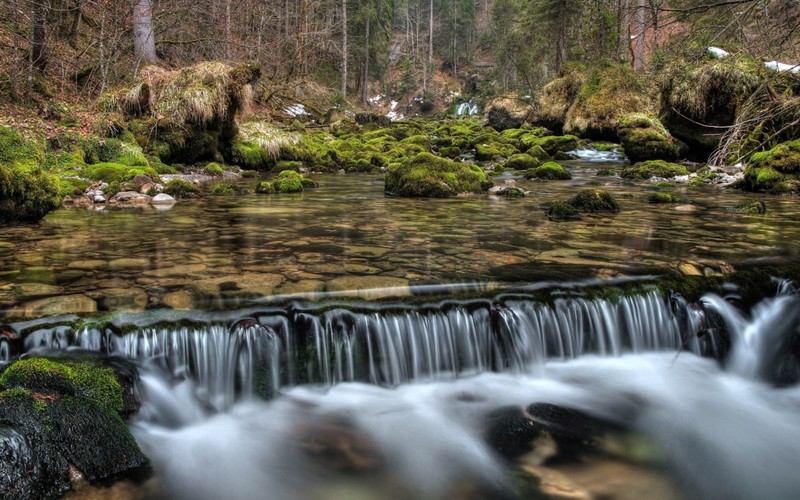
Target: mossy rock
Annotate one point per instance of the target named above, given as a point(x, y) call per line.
point(663, 198)
point(289, 181)
point(451, 152)
point(27, 192)
point(751, 207)
point(226, 189)
point(213, 169)
point(609, 92)
point(594, 200)
point(773, 170)
point(644, 137)
point(45, 376)
point(653, 168)
point(117, 172)
point(295, 166)
point(522, 161)
point(181, 188)
point(549, 171)
point(426, 175)
point(487, 152)
point(538, 152)
point(553, 144)
point(562, 211)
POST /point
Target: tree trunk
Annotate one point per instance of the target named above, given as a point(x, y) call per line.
point(364, 90)
point(344, 49)
point(39, 35)
point(144, 41)
point(228, 30)
point(638, 63)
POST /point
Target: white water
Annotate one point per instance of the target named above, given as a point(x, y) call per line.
point(725, 435)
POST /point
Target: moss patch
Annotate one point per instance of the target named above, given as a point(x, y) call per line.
point(594, 200)
point(27, 192)
point(181, 188)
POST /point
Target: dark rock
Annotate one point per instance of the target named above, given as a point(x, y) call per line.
point(561, 210)
point(594, 200)
point(511, 432)
point(336, 443)
point(574, 431)
point(372, 119)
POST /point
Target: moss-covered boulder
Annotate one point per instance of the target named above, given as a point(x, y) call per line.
point(61, 412)
point(549, 171)
point(117, 172)
point(521, 161)
point(558, 97)
point(756, 207)
point(653, 168)
point(663, 197)
point(288, 181)
point(609, 92)
point(643, 137)
point(181, 188)
point(554, 144)
point(507, 112)
point(186, 114)
point(700, 97)
point(776, 170)
point(594, 200)
point(27, 192)
point(426, 175)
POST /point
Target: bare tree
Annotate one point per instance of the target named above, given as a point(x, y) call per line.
point(144, 41)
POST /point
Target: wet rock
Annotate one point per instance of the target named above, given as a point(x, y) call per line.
point(506, 113)
point(426, 175)
point(575, 432)
point(336, 444)
point(30, 290)
point(689, 269)
point(554, 485)
point(129, 263)
point(306, 286)
point(511, 432)
point(594, 200)
point(64, 304)
point(372, 287)
point(131, 198)
point(751, 207)
point(250, 284)
point(163, 199)
point(561, 211)
point(181, 300)
point(87, 265)
point(124, 299)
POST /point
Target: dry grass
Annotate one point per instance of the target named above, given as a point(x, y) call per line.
point(271, 139)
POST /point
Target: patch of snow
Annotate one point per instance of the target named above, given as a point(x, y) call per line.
point(376, 99)
point(718, 52)
point(782, 67)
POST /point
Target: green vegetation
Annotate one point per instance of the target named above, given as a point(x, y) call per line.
point(117, 172)
point(213, 169)
point(427, 175)
point(561, 210)
point(522, 161)
point(288, 181)
point(644, 137)
point(27, 192)
point(776, 170)
point(751, 207)
point(46, 376)
point(662, 197)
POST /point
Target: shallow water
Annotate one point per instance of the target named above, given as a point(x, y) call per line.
point(348, 235)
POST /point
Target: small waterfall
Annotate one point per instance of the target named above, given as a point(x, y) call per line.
point(467, 109)
point(390, 345)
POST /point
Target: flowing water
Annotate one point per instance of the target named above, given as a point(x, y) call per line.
point(344, 344)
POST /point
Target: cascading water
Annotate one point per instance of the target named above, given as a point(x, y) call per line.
point(388, 402)
point(467, 109)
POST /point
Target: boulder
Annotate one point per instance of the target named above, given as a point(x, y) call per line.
point(644, 138)
point(548, 171)
point(507, 113)
point(594, 200)
point(776, 170)
point(653, 168)
point(426, 175)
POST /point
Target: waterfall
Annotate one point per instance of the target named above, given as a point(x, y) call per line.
point(467, 109)
point(389, 345)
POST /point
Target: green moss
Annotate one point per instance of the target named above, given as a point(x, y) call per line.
point(265, 187)
point(662, 197)
point(46, 376)
point(556, 143)
point(181, 188)
point(27, 192)
point(289, 181)
point(111, 172)
point(644, 137)
point(421, 140)
point(282, 165)
point(226, 189)
point(522, 161)
point(250, 155)
point(536, 151)
point(549, 171)
point(72, 186)
point(431, 176)
point(653, 168)
point(594, 200)
point(773, 170)
point(213, 169)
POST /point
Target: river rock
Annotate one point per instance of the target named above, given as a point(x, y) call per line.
point(163, 199)
point(372, 287)
point(511, 432)
point(305, 287)
point(131, 198)
point(181, 300)
point(129, 263)
point(87, 265)
point(554, 485)
point(64, 304)
point(255, 284)
point(124, 299)
point(335, 443)
point(30, 290)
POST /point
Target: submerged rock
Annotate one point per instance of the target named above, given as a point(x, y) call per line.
point(594, 200)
